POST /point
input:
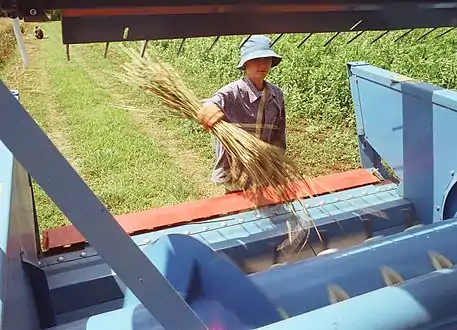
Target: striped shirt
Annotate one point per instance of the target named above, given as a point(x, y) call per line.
point(240, 102)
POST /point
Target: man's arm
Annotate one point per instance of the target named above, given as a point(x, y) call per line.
point(214, 109)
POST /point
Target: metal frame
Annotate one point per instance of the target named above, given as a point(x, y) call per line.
point(90, 29)
point(122, 20)
point(64, 186)
point(31, 8)
point(250, 239)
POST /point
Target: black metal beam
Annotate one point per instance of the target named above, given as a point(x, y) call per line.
point(150, 27)
point(87, 21)
point(71, 4)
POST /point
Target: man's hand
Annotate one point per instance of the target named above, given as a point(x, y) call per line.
point(209, 115)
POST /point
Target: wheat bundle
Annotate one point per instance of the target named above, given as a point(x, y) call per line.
point(252, 160)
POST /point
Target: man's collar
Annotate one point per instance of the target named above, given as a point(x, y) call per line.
point(255, 94)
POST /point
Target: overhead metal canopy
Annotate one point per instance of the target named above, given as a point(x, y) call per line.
point(83, 26)
point(85, 21)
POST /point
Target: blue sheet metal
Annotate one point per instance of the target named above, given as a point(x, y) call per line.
point(422, 302)
point(406, 253)
point(196, 271)
point(409, 124)
point(357, 270)
point(252, 237)
point(17, 303)
point(63, 185)
point(301, 288)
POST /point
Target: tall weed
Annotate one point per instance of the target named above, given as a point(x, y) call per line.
point(7, 40)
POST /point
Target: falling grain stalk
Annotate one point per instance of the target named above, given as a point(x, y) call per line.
point(252, 161)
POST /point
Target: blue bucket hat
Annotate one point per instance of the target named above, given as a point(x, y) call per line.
point(258, 46)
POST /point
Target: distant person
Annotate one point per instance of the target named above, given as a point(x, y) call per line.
point(38, 33)
point(255, 104)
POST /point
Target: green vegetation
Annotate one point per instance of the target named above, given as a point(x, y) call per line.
point(135, 162)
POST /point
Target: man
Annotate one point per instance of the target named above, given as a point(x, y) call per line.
point(255, 104)
point(38, 33)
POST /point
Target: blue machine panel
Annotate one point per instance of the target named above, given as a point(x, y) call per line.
point(410, 125)
point(301, 290)
point(245, 238)
point(423, 303)
point(17, 242)
point(18, 251)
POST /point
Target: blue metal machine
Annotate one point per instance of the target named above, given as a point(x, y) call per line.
point(387, 260)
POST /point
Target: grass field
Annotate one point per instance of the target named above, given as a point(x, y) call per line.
point(134, 162)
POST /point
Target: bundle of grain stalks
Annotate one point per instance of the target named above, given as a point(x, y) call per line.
point(252, 160)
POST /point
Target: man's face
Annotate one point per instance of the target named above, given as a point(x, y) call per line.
point(258, 68)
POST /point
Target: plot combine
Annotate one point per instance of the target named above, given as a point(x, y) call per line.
point(386, 251)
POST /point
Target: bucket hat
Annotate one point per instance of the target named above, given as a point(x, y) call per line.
point(258, 46)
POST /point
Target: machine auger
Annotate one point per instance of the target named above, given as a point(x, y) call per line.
point(388, 251)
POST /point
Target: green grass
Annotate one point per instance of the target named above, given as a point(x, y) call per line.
point(134, 163)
